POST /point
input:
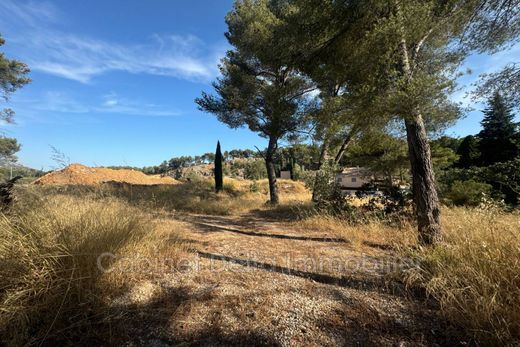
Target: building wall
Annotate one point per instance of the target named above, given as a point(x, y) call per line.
point(285, 175)
point(351, 180)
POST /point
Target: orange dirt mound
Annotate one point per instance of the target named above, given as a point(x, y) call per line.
point(80, 174)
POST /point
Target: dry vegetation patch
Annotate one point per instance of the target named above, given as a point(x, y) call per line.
point(473, 275)
point(52, 288)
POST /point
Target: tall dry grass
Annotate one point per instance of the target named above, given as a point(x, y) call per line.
point(474, 274)
point(196, 196)
point(52, 289)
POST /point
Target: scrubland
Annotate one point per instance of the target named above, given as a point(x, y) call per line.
point(54, 291)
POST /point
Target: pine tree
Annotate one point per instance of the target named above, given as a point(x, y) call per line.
point(259, 88)
point(219, 177)
point(499, 136)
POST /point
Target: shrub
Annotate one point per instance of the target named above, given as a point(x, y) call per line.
point(468, 193)
point(255, 169)
point(254, 187)
point(326, 191)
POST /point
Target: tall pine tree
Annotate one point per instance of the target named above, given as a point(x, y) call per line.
point(499, 138)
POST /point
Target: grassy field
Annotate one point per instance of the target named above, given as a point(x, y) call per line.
point(54, 292)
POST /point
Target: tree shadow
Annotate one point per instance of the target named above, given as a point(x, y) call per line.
point(282, 212)
point(380, 246)
point(160, 322)
point(374, 284)
point(213, 228)
point(410, 323)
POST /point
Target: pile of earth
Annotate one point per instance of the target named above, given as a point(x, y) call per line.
point(84, 175)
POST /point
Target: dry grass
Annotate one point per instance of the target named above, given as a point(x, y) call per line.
point(474, 274)
point(49, 246)
point(197, 196)
point(371, 231)
point(52, 288)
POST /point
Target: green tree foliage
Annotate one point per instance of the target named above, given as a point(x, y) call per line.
point(507, 81)
point(499, 138)
point(504, 178)
point(468, 193)
point(382, 153)
point(254, 170)
point(444, 141)
point(326, 190)
point(8, 149)
point(444, 152)
point(400, 61)
point(219, 177)
point(469, 152)
point(13, 75)
point(496, 24)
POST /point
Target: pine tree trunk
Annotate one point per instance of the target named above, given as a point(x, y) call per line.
point(324, 154)
point(271, 172)
point(343, 147)
point(427, 207)
point(424, 187)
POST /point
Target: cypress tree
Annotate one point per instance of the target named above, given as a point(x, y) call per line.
point(499, 136)
point(219, 177)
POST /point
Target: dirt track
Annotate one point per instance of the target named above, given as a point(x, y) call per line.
point(254, 282)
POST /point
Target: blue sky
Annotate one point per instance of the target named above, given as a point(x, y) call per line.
point(114, 82)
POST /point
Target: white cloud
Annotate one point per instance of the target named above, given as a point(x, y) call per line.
point(59, 102)
point(114, 104)
point(47, 49)
point(32, 13)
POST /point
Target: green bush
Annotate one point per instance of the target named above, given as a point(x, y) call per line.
point(468, 193)
point(326, 190)
point(255, 170)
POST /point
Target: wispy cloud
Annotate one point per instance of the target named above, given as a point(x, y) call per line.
point(48, 49)
point(31, 13)
point(59, 102)
point(114, 104)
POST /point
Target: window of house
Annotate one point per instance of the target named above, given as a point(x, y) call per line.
point(354, 179)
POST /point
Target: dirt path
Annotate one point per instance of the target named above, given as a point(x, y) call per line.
point(249, 281)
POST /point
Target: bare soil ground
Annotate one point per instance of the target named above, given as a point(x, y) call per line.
point(248, 280)
point(77, 174)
